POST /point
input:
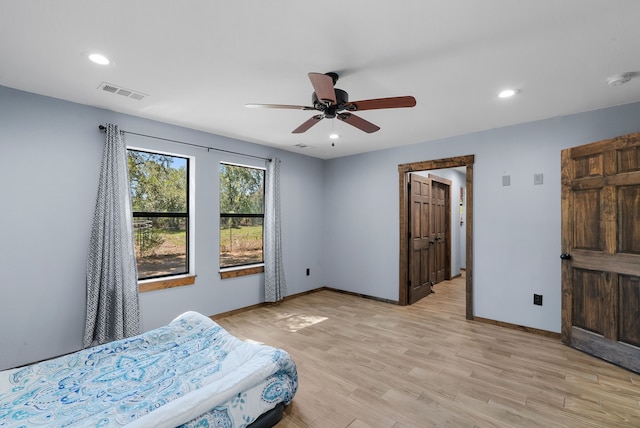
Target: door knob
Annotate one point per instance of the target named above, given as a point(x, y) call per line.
point(565, 256)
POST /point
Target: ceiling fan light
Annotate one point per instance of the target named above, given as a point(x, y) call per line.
point(508, 93)
point(619, 79)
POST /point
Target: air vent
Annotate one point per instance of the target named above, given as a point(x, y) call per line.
point(301, 146)
point(109, 88)
point(115, 89)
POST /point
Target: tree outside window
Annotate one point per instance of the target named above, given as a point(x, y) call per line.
point(160, 201)
point(241, 215)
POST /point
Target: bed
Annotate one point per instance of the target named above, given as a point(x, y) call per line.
point(189, 373)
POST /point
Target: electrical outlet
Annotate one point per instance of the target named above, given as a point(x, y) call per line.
point(308, 272)
point(537, 299)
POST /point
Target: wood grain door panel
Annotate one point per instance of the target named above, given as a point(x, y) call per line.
point(629, 292)
point(587, 236)
point(590, 300)
point(628, 209)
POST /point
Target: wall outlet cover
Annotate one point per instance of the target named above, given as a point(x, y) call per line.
point(537, 299)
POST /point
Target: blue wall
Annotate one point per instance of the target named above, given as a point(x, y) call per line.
point(340, 218)
point(516, 229)
point(50, 153)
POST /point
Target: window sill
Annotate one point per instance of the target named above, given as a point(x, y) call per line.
point(242, 271)
point(161, 284)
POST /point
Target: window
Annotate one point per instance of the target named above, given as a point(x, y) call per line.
point(241, 215)
point(160, 202)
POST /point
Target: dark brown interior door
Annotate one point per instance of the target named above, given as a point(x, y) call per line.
point(601, 249)
point(420, 242)
point(441, 224)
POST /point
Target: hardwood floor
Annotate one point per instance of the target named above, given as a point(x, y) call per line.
point(364, 363)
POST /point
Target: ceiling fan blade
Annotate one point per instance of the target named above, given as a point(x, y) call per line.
point(379, 103)
point(358, 122)
point(323, 87)
point(285, 106)
point(308, 124)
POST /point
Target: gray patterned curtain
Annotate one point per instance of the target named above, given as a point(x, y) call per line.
point(275, 287)
point(112, 278)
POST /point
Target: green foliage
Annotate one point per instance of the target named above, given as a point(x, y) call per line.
point(241, 190)
point(249, 233)
point(148, 241)
point(158, 182)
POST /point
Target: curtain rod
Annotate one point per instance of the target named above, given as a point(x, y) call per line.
point(104, 128)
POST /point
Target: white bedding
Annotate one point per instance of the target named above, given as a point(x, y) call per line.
point(191, 368)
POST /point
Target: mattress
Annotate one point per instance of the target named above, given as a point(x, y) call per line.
point(189, 373)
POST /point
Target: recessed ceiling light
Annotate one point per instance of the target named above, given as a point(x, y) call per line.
point(99, 59)
point(334, 136)
point(507, 93)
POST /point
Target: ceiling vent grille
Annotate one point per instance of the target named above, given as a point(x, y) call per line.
point(115, 89)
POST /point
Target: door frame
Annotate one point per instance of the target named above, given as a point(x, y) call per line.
point(403, 182)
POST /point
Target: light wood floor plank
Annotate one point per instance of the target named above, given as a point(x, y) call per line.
point(368, 364)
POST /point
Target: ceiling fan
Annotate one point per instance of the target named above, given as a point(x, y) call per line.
point(332, 103)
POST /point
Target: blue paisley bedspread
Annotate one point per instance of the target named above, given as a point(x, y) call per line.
point(190, 373)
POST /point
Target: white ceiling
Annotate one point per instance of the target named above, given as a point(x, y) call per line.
point(200, 61)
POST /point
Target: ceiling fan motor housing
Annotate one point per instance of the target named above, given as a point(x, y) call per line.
point(330, 111)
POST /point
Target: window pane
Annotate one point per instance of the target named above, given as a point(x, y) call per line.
point(240, 241)
point(241, 190)
point(160, 201)
point(241, 215)
point(161, 246)
point(158, 182)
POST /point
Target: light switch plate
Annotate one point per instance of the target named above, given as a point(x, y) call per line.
point(537, 179)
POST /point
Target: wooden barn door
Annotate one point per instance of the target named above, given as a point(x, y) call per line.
point(601, 249)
